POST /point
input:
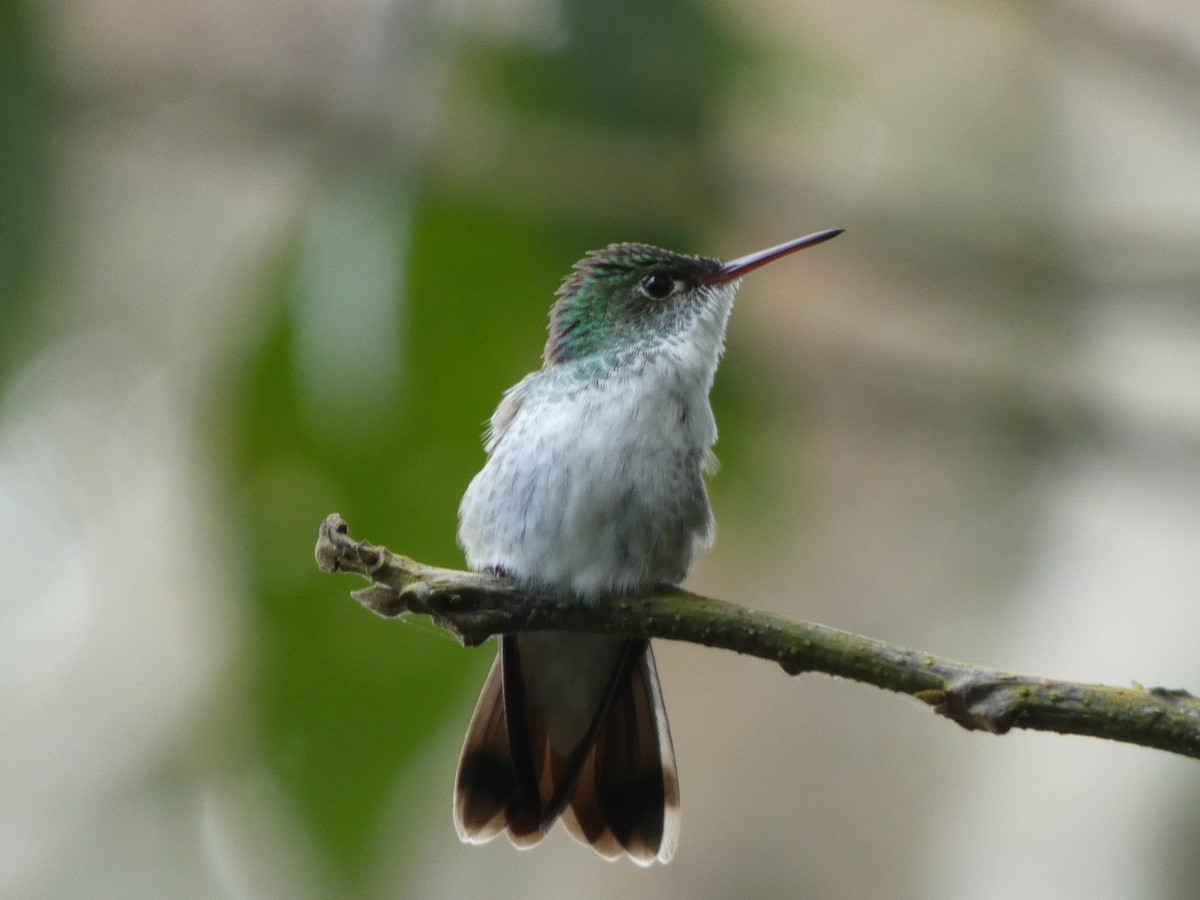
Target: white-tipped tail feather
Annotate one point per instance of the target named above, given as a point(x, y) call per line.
point(611, 775)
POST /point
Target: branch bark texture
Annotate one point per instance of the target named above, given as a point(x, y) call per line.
point(474, 606)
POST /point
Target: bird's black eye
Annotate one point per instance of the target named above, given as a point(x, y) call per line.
point(657, 286)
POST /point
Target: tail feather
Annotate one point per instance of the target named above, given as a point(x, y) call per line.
point(627, 798)
point(528, 764)
point(617, 788)
point(503, 772)
point(485, 785)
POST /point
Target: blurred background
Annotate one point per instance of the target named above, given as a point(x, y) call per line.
point(264, 261)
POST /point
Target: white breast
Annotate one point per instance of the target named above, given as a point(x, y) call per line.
point(595, 486)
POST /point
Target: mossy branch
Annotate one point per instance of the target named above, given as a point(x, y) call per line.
point(475, 606)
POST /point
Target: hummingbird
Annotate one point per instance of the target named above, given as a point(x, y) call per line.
point(593, 489)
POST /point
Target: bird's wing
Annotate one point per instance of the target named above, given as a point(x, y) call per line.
point(506, 412)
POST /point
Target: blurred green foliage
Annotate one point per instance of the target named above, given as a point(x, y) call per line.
point(623, 65)
point(25, 121)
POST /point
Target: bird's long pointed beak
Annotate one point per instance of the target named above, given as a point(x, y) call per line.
point(743, 264)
